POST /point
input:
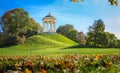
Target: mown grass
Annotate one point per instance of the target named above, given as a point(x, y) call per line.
point(52, 44)
point(54, 40)
point(36, 50)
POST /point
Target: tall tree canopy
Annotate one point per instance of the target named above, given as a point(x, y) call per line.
point(68, 30)
point(14, 20)
point(32, 28)
point(112, 40)
point(17, 26)
point(112, 2)
point(81, 38)
point(97, 36)
point(95, 33)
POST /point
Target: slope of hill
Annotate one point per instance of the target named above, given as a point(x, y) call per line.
point(51, 45)
point(39, 44)
point(50, 41)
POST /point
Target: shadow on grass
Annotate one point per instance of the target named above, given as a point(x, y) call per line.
point(83, 47)
point(76, 46)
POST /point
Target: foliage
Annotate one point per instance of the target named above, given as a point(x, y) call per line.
point(14, 40)
point(17, 26)
point(111, 40)
point(33, 28)
point(68, 31)
point(61, 64)
point(1, 25)
point(14, 20)
point(96, 33)
point(1, 39)
point(118, 43)
point(112, 2)
point(81, 38)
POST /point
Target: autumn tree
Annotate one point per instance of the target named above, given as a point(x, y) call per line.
point(81, 38)
point(32, 28)
point(14, 22)
point(112, 2)
point(17, 25)
point(68, 30)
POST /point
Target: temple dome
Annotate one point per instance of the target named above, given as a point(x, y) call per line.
point(49, 16)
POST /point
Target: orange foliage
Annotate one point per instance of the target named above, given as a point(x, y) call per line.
point(97, 57)
point(27, 70)
point(43, 71)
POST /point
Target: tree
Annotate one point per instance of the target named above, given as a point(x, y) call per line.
point(97, 36)
point(1, 25)
point(112, 2)
point(15, 20)
point(81, 38)
point(68, 31)
point(1, 39)
point(96, 31)
point(17, 26)
point(32, 28)
point(118, 45)
point(112, 40)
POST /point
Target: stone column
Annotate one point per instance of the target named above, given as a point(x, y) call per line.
point(43, 26)
point(54, 27)
point(47, 30)
point(50, 27)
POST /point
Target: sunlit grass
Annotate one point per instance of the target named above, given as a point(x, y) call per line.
point(52, 44)
point(20, 50)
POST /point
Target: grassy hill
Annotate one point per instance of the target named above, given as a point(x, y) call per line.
point(39, 43)
point(49, 41)
point(52, 44)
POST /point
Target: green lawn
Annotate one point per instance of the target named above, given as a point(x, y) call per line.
point(35, 50)
point(52, 44)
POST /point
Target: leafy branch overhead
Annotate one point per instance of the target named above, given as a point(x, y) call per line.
point(112, 2)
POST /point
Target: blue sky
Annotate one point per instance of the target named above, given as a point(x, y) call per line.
point(81, 15)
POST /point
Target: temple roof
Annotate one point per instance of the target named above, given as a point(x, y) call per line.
point(49, 16)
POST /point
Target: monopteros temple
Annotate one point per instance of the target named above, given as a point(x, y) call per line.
point(49, 24)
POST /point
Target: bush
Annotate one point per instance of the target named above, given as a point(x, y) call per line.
point(62, 64)
point(1, 40)
point(14, 40)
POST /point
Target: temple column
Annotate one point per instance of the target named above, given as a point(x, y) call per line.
point(43, 26)
point(47, 28)
point(54, 27)
point(49, 23)
point(50, 27)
